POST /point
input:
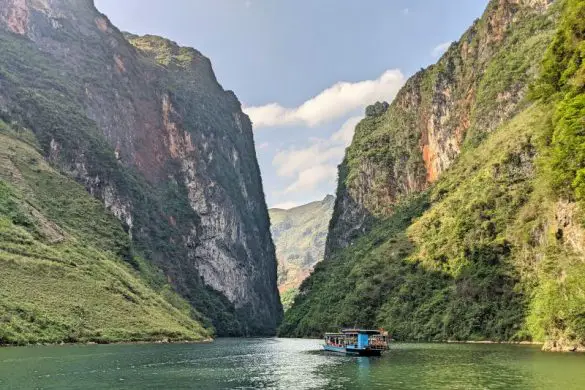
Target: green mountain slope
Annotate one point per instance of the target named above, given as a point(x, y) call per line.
point(68, 269)
point(299, 237)
point(488, 245)
point(145, 127)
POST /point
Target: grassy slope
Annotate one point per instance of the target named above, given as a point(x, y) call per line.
point(448, 274)
point(487, 259)
point(350, 286)
point(49, 103)
point(65, 263)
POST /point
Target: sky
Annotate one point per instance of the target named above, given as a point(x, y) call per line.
point(304, 70)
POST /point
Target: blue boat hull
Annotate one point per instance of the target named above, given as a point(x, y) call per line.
point(331, 348)
point(353, 351)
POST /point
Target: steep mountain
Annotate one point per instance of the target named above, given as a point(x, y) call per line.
point(146, 128)
point(458, 212)
point(299, 236)
point(65, 262)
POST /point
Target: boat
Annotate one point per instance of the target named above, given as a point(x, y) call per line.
point(362, 342)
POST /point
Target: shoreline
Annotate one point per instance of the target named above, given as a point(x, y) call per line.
point(448, 341)
point(90, 343)
point(138, 342)
point(492, 342)
point(545, 347)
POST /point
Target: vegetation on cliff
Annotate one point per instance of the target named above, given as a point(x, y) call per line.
point(129, 118)
point(558, 307)
point(440, 267)
point(69, 271)
point(562, 82)
point(493, 249)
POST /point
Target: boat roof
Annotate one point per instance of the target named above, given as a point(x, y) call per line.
point(354, 331)
point(362, 331)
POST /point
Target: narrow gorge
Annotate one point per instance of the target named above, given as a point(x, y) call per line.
point(132, 206)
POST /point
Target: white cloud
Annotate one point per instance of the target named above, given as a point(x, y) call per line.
point(263, 145)
point(290, 162)
point(308, 179)
point(406, 11)
point(440, 49)
point(345, 134)
point(248, 3)
point(285, 205)
point(316, 164)
point(332, 103)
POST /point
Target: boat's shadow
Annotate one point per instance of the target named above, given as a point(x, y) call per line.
point(321, 352)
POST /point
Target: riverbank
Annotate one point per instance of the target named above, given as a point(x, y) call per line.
point(545, 346)
point(548, 346)
point(137, 342)
point(562, 346)
point(492, 342)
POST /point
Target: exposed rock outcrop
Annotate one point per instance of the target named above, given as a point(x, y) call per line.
point(459, 208)
point(146, 127)
point(406, 148)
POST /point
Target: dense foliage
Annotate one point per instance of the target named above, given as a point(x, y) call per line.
point(562, 81)
point(441, 266)
point(287, 297)
point(494, 249)
point(558, 306)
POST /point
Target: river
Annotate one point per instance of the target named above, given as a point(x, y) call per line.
point(287, 364)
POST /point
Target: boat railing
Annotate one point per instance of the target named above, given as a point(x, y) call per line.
point(349, 338)
point(378, 342)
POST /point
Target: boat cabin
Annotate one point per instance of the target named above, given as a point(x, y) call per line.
point(357, 341)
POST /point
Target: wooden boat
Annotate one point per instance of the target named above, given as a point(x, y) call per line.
point(363, 342)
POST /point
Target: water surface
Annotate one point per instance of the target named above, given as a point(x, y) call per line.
point(287, 364)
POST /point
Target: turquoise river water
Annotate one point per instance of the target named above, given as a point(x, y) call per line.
point(287, 364)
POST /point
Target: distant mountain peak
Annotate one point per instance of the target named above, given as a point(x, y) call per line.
point(299, 235)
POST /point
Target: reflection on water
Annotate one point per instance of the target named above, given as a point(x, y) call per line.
point(288, 364)
point(363, 371)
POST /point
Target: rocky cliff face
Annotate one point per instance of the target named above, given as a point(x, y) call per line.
point(299, 236)
point(459, 213)
point(68, 271)
point(145, 126)
point(405, 148)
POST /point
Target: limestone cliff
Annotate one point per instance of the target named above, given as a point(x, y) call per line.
point(146, 127)
point(404, 148)
point(459, 211)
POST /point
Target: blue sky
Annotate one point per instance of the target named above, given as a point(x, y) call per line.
point(304, 69)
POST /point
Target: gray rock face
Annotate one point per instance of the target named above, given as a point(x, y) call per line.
point(349, 220)
point(404, 148)
point(145, 125)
